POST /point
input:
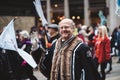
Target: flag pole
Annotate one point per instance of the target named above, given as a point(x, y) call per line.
point(15, 19)
point(45, 36)
point(39, 10)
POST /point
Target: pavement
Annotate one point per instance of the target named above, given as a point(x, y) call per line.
point(113, 75)
point(39, 76)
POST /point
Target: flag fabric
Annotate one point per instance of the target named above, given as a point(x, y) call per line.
point(117, 11)
point(8, 41)
point(7, 37)
point(39, 10)
point(27, 57)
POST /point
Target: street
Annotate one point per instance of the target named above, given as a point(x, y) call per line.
point(115, 73)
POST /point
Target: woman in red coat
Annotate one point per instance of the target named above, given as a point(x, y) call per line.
point(102, 49)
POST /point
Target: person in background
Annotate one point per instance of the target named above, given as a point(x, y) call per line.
point(53, 34)
point(83, 33)
point(18, 37)
point(90, 39)
point(109, 62)
point(102, 49)
point(118, 44)
point(34, 37)
point(51, 37)
point(114, 43)
point(96, 29)
point(27, 70)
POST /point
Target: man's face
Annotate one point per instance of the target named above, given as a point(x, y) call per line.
point(51, 31)
point(66, 32)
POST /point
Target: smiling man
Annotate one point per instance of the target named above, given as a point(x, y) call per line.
point(72, 58)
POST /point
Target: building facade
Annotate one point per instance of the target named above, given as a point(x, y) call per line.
point(81, 11)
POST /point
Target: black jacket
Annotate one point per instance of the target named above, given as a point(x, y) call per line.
point(84, 66)
point(9, 65)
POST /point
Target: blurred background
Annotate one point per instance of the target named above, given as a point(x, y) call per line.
point(81, 11)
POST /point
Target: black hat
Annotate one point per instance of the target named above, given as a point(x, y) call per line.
point(53, 26)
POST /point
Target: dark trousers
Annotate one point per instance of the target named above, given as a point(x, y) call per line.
point(102, 68)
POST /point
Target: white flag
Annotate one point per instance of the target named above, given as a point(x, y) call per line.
point(8, 41)
point(39, 10)
point(28, 58)
point(7, 37)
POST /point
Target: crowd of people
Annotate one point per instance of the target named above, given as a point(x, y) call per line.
point(62, 55)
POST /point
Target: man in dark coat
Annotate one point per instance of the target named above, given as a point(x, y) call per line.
point(71, 58)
